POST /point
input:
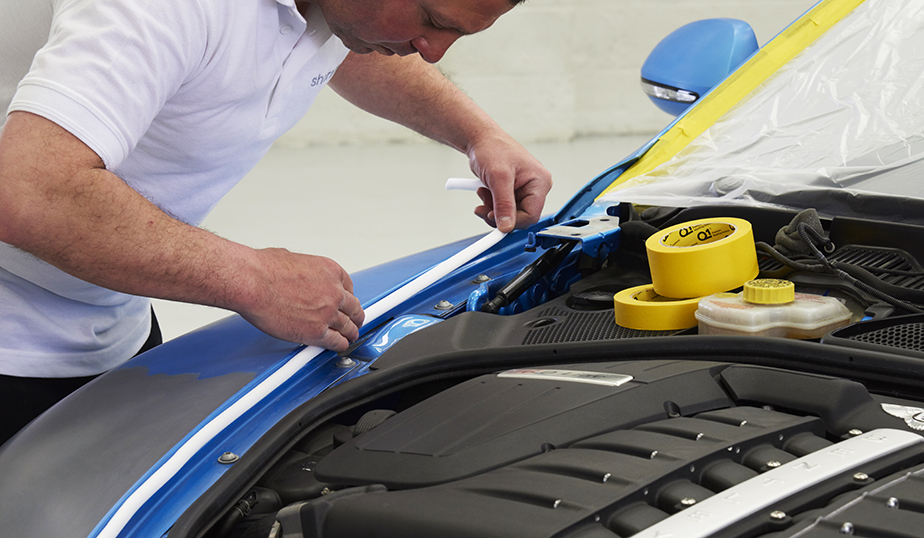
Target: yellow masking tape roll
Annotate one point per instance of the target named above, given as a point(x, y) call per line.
point(702, 257)
point(641, 308)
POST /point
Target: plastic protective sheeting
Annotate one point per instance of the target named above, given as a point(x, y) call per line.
point(840, 128)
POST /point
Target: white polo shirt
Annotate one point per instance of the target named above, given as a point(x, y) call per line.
point(180, 98)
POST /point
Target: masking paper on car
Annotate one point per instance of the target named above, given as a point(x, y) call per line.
point(839, 128)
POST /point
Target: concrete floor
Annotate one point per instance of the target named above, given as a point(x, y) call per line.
point(364, 205)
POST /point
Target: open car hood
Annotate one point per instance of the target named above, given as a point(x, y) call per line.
point(839, 127)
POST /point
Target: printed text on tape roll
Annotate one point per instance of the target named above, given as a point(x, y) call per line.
point(702, 257)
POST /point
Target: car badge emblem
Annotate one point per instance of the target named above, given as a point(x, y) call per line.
point(913, 416)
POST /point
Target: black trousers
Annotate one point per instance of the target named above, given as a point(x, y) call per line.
point(24, 398)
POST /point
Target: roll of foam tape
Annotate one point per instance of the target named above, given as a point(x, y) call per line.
point(643, 309)
point(702, 257)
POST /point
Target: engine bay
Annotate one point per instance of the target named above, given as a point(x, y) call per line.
point(607, 449)
point(549, 419)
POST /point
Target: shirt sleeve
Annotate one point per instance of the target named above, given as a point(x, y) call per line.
point(110, 65)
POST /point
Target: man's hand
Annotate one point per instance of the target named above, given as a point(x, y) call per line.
point(307, 299)
point(516, 183)
point(415, 94)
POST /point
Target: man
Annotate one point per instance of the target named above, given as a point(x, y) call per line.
point(129, 120)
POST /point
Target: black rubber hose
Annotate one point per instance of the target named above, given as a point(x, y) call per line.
point(789, 262)
point(868, 281)
point(871, 284)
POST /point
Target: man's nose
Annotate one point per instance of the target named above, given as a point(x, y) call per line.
point(432, 47)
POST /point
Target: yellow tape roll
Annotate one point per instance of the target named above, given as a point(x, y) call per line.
point(702, 257)
point(641, 308)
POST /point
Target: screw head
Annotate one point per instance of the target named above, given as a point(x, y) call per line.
point(443, 305)
point(861, 477)
point(847, 528)
point(228, 458)
point(688, 501)
point(346, 362)
point(855, 432)
point(777, 515)
point(892, 502)
point(773, 464)
point(481, 279)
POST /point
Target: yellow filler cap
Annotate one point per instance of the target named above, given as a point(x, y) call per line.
point(769, 291)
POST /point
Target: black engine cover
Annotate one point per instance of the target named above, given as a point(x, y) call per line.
point(551, 452)
point(492, 421)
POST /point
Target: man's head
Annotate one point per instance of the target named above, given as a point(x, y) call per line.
point(403, 27)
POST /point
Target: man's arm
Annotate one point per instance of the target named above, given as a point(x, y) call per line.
point(59, 203)
point(415, 94)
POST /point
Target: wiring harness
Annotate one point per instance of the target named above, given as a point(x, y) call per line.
point(861, 278)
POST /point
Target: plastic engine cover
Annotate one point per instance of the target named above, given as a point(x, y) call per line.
point(622, 449)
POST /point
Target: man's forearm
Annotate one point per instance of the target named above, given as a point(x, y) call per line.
point(415, 94)
point(81, 218)
point(409, 91)
point(65, 208)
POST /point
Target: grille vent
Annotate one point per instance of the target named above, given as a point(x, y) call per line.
point(909, 336)
point(874, 259)
point(902, 334)
point(555, 325)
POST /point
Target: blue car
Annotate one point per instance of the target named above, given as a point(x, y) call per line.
point(720, 336)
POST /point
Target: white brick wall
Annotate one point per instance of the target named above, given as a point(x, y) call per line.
point(551, 70)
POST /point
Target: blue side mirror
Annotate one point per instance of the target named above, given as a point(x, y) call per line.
point(693, 59)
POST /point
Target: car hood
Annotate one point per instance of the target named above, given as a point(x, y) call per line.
point(839, 128)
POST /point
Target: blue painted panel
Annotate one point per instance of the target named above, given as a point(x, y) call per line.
point(225, 346)
point(194, 478)
point(370, 284)
point(390, 334)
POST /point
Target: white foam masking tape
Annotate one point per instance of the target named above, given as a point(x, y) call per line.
point(688, 261)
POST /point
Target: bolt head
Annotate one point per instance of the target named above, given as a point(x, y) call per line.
point(777, 515)
point(861, 477)
point(228, 458)
point(346, 362)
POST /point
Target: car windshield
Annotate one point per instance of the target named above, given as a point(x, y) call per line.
point(839, 128)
